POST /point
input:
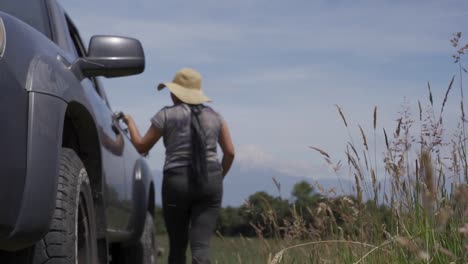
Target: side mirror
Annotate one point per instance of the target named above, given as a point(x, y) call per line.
point(111, 56)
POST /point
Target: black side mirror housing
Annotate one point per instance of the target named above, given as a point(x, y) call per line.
point(111, 56)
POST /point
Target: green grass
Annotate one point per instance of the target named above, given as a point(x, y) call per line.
point(225, 250)
point(238, 250)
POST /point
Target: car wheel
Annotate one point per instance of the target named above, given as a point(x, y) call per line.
point(144, 251)
point(72, 235)
point(148, 241)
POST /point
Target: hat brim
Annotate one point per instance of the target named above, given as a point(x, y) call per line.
point(188, 96)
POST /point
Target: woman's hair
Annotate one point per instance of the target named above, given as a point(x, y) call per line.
point(199, 166)
point(175, 99)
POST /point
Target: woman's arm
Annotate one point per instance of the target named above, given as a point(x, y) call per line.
point(142, 144)
point(227, 147)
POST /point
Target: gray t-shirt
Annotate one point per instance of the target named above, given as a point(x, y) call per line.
point(174, 122)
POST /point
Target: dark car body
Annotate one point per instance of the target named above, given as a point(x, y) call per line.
point(47, 104)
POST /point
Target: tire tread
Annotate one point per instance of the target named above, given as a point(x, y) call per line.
point(57, 246)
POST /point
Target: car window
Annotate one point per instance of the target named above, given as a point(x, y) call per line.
point(59, 27)
point(81, 52)
point(75, 36)
point(35, 14)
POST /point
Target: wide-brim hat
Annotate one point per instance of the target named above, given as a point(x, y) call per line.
point(186, 85)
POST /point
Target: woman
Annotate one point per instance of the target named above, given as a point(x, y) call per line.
point(193, 178)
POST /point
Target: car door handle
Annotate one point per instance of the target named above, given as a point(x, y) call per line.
point(116, 117)
point(115, 128)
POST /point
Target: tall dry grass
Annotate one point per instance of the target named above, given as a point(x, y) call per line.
point(410, 204)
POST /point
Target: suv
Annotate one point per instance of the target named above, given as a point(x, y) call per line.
point(73, 189)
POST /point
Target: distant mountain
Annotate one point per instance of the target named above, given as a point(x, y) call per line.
point(242, 182)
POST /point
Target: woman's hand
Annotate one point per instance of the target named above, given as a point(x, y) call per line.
point(127, 119)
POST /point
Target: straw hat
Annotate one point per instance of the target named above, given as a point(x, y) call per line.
point(187, 86)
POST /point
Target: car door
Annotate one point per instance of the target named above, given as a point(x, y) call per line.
point(131, 177)
point(130, 157)
point(112, 147)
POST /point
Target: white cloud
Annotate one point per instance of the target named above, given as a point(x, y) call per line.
point(377, 31)
point(254, 157)
point(167, 40)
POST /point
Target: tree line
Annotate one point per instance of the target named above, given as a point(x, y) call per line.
point(305, 214)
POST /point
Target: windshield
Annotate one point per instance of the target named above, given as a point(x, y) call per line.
point(30, 11)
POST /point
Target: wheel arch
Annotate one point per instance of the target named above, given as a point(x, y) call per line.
point(143, 199)
point(81, 134)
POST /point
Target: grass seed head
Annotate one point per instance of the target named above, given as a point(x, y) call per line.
point(430, 193)
point(342, 115)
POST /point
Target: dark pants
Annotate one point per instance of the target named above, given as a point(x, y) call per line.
point(191, 211)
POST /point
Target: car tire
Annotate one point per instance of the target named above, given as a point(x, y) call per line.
point(72, 235)
point(148, 241)
point(144, 251)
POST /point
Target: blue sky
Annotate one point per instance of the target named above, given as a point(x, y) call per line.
point(275, 69)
